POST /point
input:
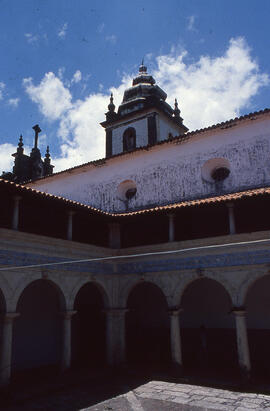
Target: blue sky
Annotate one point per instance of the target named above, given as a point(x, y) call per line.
point(60, 60)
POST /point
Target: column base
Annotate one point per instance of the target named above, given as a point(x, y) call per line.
point(176, 370)
point(244, 375)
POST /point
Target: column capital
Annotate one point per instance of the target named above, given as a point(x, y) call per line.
point(71, 212)
point(239, 311)
point(9, 317)
point(117, 312)
point(170, 214)
point(17, 198)
point(67, 314)
point(175, 311)
point(230, 204)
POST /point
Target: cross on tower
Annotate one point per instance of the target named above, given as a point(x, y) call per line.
point(37, 130)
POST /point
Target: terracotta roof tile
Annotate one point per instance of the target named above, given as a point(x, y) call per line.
point(190, 203)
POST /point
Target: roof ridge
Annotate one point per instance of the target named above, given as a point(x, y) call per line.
point(181, 138)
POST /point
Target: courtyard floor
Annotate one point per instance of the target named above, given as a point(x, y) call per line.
point(106, 391)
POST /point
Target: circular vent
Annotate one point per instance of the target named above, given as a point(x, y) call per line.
point(220, 173)
point(127, 190)
point(215, 170)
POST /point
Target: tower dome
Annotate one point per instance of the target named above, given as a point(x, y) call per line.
point(143, 117)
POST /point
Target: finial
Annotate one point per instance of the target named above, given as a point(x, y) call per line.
point(37, 130)
point(176, 109)
point(20, 141)
point(111, 106)
point(142, 68)
point(20, 145)
point(47, 160)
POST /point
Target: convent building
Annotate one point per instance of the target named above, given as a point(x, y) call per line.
point(156, 255)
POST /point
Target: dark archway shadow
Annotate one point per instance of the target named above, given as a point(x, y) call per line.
point(258, 324)
point(147, 327)
point(89, 328)
point(207, 330)
point(37, 334)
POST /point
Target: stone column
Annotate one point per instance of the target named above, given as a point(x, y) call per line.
point(230, 207)
point(15, 217)
point(116, 336)
point(242, 342)
point(171, 227)
point(70, 224)
point(66, 340)
point(6, 348)
point(176, 350)
point(114, 235)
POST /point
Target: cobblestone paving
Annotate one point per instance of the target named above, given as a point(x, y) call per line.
point(159, 396)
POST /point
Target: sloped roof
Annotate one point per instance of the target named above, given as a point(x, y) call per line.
point(264, 191)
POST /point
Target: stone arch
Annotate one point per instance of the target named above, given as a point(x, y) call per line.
point(38, 329)
point(247, 284)
point(129, 285)
point(257, 304)
point(89, 326)
point(82, 283)
point(3, 304)
point(147, 325)
point(207, 328)
point(186, 281)
point(28, 280)
point(6, 289)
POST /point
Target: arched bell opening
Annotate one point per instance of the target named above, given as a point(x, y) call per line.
point(89, 327)
point(147, 326)
point(258, 325)
point(207, 330)
point(37, 338)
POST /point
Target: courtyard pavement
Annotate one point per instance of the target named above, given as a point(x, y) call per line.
point(158, 395)
point(128, 394)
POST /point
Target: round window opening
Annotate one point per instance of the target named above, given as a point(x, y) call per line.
point(216, 170)
point(127, 190)
point(220, 173)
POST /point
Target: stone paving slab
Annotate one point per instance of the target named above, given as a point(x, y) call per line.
point(164, 396)
point(150, 396)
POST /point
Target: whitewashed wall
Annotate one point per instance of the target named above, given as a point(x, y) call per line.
point(164, 127)
point(172, 172)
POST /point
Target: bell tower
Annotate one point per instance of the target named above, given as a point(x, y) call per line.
point(143, 118)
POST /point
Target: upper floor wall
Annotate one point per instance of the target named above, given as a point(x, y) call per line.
point(173, 172)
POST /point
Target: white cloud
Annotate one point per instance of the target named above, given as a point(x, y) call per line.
point(51, 96)
point(14, 102)
point(6, 160)
point(77, 76)
point(2, 86)
point(209, 91)
point(61, 72)
point(31, 38)
point(63, 31)
point(212, 89)
point(191, 23)
point(111, 39)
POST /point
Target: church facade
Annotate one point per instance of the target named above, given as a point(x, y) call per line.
point(157, 254)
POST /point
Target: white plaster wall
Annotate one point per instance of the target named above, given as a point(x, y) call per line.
point(141, 135)
point(172, 173)
point(164, 127)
